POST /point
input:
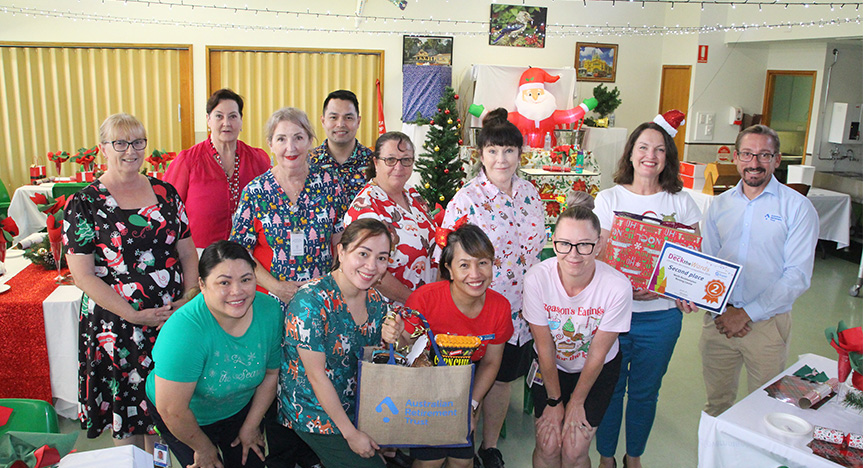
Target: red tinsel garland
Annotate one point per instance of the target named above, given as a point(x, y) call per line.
point(24, 371)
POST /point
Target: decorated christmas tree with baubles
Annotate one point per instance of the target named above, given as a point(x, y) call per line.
point(441, 172)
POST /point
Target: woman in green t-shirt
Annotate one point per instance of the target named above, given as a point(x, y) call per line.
point(216, 365)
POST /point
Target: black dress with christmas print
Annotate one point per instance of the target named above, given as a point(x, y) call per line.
point(135, 252)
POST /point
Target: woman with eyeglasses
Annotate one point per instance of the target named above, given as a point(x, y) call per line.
point(130, 251)
point(648, 184)
point(211, 175)
point(386, 199)
point(576, 308)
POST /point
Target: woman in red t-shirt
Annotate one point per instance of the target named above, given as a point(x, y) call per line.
point(463, 304)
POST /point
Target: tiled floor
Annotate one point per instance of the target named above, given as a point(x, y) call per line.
point(673, 441)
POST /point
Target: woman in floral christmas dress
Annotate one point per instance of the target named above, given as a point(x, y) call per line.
point(509, 210)
point(404, 211)
point(130, 251)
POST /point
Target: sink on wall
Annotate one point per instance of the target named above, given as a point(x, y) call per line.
point(843, 182)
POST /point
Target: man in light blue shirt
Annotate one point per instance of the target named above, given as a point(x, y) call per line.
point(771, 230)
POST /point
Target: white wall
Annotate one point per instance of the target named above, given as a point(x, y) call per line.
point(734, 74)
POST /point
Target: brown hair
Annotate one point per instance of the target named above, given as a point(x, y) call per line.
point(498, 131)
point(224, 94)
point(759, 129)
point(579, 213)
point(473, 241)
point(358, 231)
point(669, 180)
point(398, 137)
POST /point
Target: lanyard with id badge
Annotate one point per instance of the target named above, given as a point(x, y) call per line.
point(161, 457)
point(298, 239)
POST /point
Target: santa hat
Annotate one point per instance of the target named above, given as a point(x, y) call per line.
point(535, 77)
point(670, 121)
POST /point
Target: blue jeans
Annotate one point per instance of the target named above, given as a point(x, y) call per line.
point(646, 350)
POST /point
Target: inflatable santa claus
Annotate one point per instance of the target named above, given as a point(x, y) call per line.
point(537, 112)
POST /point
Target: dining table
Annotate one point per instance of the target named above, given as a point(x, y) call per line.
point(747, 434)
point(38, 335)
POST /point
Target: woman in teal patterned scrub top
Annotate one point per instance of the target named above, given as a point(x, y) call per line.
point(328, 323)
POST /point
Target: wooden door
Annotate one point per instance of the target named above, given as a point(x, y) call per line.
point(675, 94)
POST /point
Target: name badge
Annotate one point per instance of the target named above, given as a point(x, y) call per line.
point(298, 244)
point(160, 455)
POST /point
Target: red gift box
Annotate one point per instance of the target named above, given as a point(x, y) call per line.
point(635, 241)
point(85, 176)
point(156, 174)
point(36, 172)
point(691, 169)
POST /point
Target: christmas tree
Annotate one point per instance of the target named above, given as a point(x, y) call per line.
point(441, 172)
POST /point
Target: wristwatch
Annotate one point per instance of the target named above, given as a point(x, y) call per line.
point(553, 401)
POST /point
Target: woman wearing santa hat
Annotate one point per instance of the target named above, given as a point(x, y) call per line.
point(648, 184)
point(510, 211)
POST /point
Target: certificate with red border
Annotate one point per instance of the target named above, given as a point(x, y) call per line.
point(690, 275)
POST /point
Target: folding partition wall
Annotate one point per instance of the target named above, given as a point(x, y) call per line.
point(55, 96)
point(272, 78)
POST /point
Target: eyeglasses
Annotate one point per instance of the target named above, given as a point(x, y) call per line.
point(582, 248)
point(407, 162)
point(122, 145)
point(746, 156)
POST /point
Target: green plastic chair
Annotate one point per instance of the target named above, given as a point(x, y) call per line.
point(30, 416)
point(67, 189)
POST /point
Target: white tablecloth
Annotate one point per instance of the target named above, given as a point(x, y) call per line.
point(739, 437)
point(25, 213)
point(60, 311)
point(834, 210)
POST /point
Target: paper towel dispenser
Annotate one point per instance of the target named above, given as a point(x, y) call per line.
point(845, 124)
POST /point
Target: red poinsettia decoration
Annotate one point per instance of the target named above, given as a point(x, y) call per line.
point(580, 186)
point(9, 230)
point(59, 157)
point(85, 157)
point(553, 208)
point(561, 153)
point(160, 159)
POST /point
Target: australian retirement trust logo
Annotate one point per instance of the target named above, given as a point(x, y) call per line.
point(417, 412)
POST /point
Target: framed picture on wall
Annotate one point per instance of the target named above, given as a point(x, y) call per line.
point(427, 50)
point(596, 62)
point(517, 26)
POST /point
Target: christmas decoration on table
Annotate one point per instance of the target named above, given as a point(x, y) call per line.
point(562, 182)
point(537, 114)
point(37, 171)
point(58, 157)
point(159, 161)
point(848, 343)
point(607, 102)
point(805, 388)
point(439, 166)
point(40, 254)
point(835, 445)
point(84, 158)
point(8, 231)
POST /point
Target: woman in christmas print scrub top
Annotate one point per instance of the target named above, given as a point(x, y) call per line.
point(328, 323)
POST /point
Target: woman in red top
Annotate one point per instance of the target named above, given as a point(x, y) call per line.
point(463, 304)
point(211, 175)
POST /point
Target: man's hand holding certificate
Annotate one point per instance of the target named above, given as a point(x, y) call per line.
point(686, 274)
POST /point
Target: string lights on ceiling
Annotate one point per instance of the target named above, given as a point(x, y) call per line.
point(480, 28)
